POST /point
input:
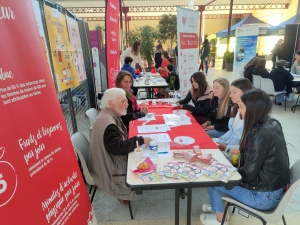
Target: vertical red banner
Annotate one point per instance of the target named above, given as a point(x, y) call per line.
point(112, 36)
point(40, 181)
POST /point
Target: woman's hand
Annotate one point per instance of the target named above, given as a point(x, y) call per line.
point(204, 125)
point(147, 141)
point(144, 110)
point(159, 68)
point(221, 146)
point(210, 127)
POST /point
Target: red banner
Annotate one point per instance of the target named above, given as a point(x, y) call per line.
point(112, 34)
point(188, 40)
point(40, 181)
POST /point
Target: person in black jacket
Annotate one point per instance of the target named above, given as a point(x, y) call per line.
point(276, 52)
point(248, 69)
point(205, 50)
point(282, 80)
point(217, 121)
point(200, 94)
point(124, 80)
point(264, 164)
point(260, 69)
point(157, 57)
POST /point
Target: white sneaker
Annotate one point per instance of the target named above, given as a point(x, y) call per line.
point(291, 97)
point(210, 219)
point(207, 209)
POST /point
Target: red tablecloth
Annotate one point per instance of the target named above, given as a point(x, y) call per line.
point(194, 130)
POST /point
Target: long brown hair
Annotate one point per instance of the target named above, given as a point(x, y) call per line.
point(258, 106)
point(135, 48)
point(253, 61)
point(199, 78)
point(121, 76)
point(225, 99)
point(261, 63)
point(244, 85)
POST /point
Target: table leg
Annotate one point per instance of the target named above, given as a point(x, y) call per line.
point(189, 207)
point(177, 206)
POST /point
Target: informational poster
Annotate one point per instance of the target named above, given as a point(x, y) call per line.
point(245, 49)
point(37, 14)
point(61, 49)
point(75, 41)
point(187, 27)
point(40, 181)
point(112, 37)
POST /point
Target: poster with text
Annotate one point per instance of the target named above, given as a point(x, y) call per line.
point(187, 39)
point(40, 181)
point(245, 49)
point(37, 14)
point(75, 41)
point(61, 49)
point(112, 38)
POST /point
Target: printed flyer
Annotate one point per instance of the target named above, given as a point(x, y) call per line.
point(61, 49)
point(40, 181)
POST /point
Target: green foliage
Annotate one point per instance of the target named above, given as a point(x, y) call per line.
point(229, 57)
point(167, 30)
point(147, 36)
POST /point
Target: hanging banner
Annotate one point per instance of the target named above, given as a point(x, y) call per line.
point(75, 41)
point(61, 50)
point(40, 181)
point(38, 18)
point(187, 24)
point(245, 48)
point(112, 37)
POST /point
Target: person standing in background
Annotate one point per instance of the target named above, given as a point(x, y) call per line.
point(276, 52)
point(163, 68)
point(205, 50)
point(213, 53)
point(157, 57)
point(134, 53)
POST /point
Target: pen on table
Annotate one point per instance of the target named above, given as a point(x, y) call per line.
point(163, 152)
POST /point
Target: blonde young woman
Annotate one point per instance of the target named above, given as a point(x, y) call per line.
point(134, 53)
point(217, 121)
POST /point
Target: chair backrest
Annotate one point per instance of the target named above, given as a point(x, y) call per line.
point(82, 148)
point(256, 81)
point(92, 114)
point(267, 85)
point(295, 181)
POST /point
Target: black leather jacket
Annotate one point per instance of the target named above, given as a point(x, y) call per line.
point(265, 163)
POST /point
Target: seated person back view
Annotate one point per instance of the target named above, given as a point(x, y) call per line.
point(248, 69)
point(260, 69)
point(110, 145)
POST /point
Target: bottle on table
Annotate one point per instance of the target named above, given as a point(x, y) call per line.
point(175, 96)
point(153, 147)
point(235, 157)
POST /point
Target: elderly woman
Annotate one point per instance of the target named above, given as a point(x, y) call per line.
point(110, 146)
point(124, 80)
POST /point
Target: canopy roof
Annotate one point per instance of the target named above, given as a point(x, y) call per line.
point(294, 20)
point(265, 29)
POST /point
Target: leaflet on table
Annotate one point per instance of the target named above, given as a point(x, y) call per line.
point(153, 128)
point(164, 137)
point(149, 116)
point(177, 120)
point(219, 171)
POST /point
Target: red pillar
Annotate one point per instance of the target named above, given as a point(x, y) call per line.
point(201, 8)
point(128, 28)
point(125, 10)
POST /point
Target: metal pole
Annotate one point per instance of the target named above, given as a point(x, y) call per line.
point(229, 25)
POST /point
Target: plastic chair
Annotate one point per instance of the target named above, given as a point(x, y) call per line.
point(92, 114)
point(268, 86)
point(273, 215)
point(82, 148)
point(256, 81)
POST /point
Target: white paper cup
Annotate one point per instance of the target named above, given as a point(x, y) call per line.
point(138, 155)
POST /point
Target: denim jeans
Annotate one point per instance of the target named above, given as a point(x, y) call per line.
point(215, 133)
point(280, 98)
point(254, 199)
point(206, 65)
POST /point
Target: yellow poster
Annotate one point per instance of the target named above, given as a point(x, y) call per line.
point(61, 50)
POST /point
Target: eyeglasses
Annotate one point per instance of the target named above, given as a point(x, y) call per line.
point(123, 101)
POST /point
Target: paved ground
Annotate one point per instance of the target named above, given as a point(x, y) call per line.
point(157, 207)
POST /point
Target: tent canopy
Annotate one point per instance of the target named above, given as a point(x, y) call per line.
point(294, 20)
point(265, 29)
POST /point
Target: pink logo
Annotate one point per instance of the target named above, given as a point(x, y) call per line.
point(183, 20)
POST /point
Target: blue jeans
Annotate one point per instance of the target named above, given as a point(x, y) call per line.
point(280, 98)
point(254, 199)
point(215, 133)
point(206, 65)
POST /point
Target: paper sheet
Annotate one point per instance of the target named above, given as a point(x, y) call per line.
point(153, 128)
point(164, 137)
point(149, 116)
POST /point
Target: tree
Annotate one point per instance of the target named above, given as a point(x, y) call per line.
point(167, 30)
point(147, 36)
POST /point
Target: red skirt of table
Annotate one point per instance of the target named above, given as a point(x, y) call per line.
point(193, 130)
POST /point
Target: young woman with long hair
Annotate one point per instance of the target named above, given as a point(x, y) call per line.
point(250, 67)
point(217, 121)
point(236, 125)
point(200, 94)
point(134, 53)
point(264, 161)
point(163, 68)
